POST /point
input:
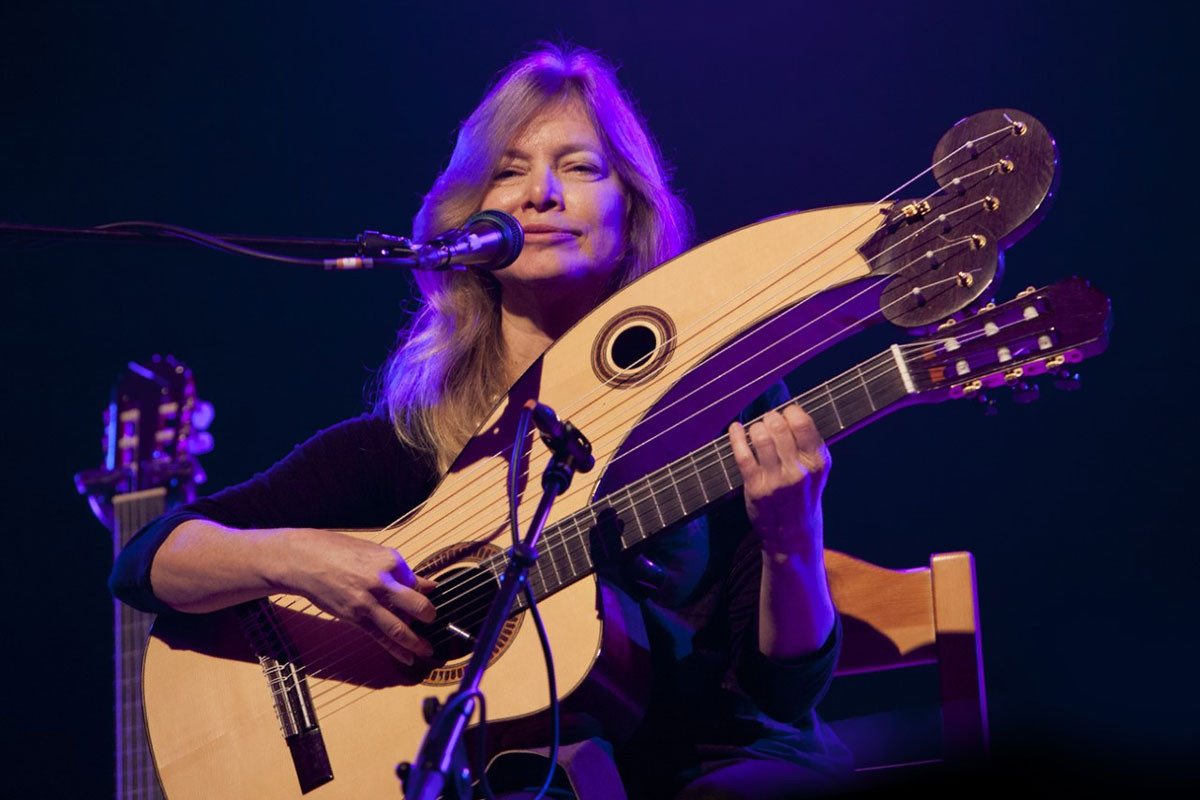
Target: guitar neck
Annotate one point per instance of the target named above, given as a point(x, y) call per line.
point(135, 770)
point(686, 487)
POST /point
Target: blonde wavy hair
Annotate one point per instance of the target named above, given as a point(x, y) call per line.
point(444, 377)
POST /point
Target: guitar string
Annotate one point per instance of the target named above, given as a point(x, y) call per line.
point(572, 544)
point(911, 346)
point(342, 692)
point(446, 603)
point(718, 334)
point(474, 606)
point(866, 214)
point(654, 482)
point(317, 623)
point(797, 356)
point(727, 459)
point(465, 508)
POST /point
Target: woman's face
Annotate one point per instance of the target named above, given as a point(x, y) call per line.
point(555, 179)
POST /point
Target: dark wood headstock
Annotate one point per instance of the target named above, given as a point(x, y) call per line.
point(1040, 331)
point(995, 171)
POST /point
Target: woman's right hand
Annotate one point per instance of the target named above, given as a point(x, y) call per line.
point(362, 582)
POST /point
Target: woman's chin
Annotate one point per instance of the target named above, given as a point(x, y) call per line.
point(550, 275)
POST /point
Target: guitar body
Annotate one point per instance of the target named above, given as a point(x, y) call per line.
point(209, 706)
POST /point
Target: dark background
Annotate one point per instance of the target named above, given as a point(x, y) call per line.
point(322, 120)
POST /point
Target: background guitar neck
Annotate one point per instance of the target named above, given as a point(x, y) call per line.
point(136, 777)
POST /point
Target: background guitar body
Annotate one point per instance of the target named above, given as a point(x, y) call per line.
point(210, 709)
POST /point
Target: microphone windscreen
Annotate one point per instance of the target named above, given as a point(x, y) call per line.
point(513, 233)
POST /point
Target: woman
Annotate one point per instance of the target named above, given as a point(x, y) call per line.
point(558, 145)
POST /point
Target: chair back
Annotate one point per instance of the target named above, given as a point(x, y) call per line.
point(905, 618)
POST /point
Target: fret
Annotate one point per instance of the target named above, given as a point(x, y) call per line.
point(637, 529)
point(536, 583)
point(712, 481)
point(699, 477)
point(548, 554)
point(566, 546)
point(662, 523)
point(576, 539)
point(674, 506)
point(866, 389)
point(693, 481)
point(833, 406)
point(721, 450)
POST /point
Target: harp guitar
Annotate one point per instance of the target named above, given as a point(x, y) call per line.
point(276, 699)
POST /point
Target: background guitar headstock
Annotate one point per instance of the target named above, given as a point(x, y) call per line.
point(154, 429)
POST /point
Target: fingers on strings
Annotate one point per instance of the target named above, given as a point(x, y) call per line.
point(787, 441)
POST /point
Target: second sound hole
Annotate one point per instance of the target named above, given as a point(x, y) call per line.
point(633, 346)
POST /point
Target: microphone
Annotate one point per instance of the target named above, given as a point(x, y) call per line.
point(488, 240)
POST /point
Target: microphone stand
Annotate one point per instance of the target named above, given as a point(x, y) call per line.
point(441, 765)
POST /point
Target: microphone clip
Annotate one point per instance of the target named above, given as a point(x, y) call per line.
point(567, 442)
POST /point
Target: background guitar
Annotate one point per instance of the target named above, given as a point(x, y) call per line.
point(154, 427)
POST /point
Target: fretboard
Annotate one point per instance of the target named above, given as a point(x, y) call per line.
point(136, 779)
point(686, 487)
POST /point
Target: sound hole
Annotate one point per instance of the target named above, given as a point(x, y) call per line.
point(633, 346)
point(462, 599)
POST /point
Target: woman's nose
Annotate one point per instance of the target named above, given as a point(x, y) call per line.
point(544, 190)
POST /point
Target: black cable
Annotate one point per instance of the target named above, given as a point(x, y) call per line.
point(213, 242)
point(514, 499)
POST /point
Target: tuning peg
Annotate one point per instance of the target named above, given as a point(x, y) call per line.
point(1067, 381)
point(990, 409)
point(200, 443)
point(202, 415)
point(1025, 392)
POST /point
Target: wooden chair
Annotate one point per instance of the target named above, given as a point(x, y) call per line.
point(906, 618)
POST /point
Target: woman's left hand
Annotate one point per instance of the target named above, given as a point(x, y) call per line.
point(783, 479)
point(783, 484)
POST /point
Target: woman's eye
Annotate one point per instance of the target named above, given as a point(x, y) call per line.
point(504, 173)
point(587, 169)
